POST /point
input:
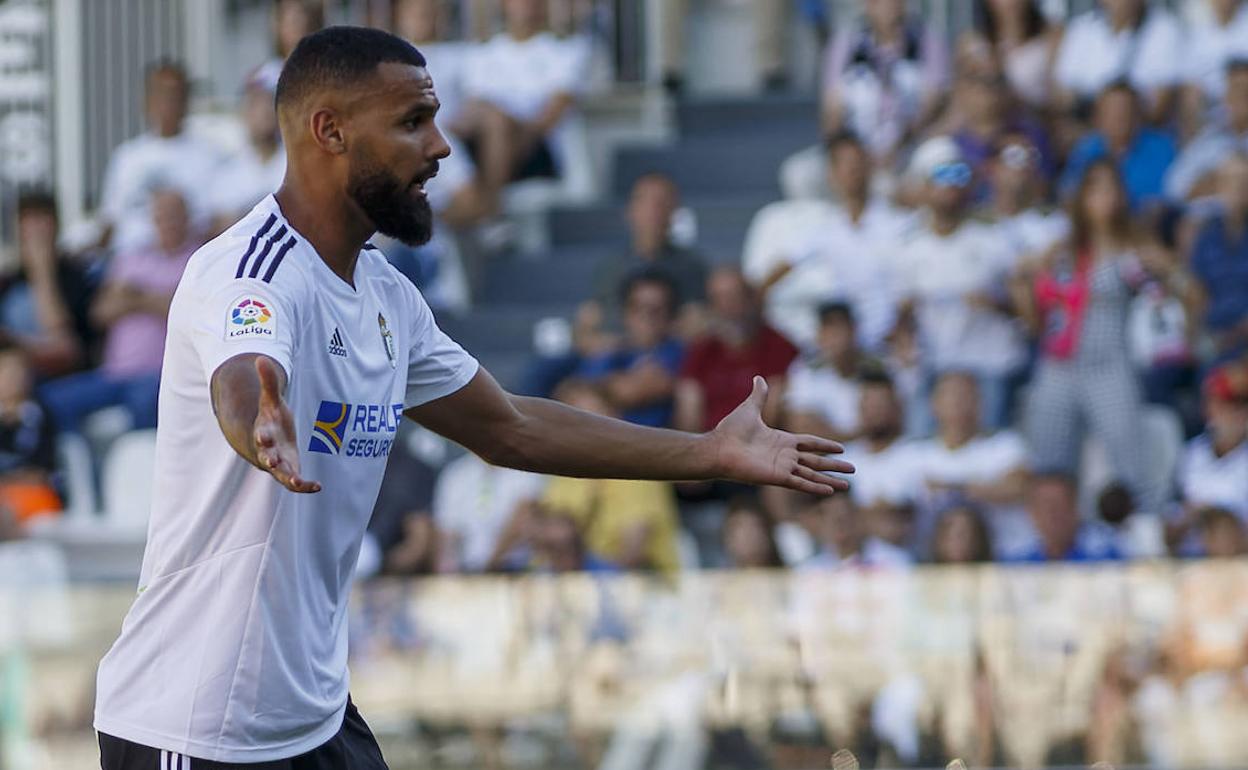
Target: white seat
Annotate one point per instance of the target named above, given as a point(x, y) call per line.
point(1163, 441)
point(75, 464)
point(127, 480)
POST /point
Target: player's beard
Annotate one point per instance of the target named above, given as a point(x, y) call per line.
point(386, 201)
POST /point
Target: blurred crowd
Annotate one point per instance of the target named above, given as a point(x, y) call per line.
point(1012, 279)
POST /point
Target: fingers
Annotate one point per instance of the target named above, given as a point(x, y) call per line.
point(831, 483)
point(824, 446)
point(270, 459)
point(758, 396)
point(826, 485)
point(822, 463)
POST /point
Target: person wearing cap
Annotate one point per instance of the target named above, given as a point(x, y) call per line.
point(257, 168)
point(952, 275)
point(1213, 471)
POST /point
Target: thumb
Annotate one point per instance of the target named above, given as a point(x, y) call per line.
point(758, 396)
point(270, 382)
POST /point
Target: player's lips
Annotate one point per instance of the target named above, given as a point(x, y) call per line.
point(418, 184)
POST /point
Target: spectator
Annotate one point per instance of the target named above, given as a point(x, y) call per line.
point(1213, 41)
point(1025, 44)
point(883, 78)
point(1194, 173)
point(952, 272)
point(749, 539)
point(1017, 192)
point(258, 168)
point(1060, 532)
point(1123, 40)
point(844, 541)
point(1078, 304)
point(631, 524)
point(482, 513)
point(639, 378)
point(839, 253)
point(719, 368)
point(1219, 259)
point(1141, 154)
point(559, 546)
point(882, 485)
point(43, 305)
point(292, 21)
point(27, 443)
point(1213, 470)
point(982, 118)
point(1222, 534)
point(1139, 534)
point(164, 157)
point(131, 309)
point(654, 200)
point(520, 88)
point(961, 537)
point(960, 464)
point(771, 26)
point(823, 394)
point(402, 538)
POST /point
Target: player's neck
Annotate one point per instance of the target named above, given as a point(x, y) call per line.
point(335, 232)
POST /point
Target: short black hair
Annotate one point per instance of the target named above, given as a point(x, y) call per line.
point(36, 201)
point(836, 311)
point(166, 65)
point(652, 275)
point(339, 57)
point(843, 138)
point(1120, 85)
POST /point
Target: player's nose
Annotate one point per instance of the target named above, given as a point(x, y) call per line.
point(439, 148)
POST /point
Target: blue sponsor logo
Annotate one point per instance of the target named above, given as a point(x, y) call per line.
point(355, 430)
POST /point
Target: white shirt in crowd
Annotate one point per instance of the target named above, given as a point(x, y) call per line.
point(474, 501)
point(1031, 231)
point(245, 179)
point(146, 163)
point(1092, 55)
point(1210, 46)
point(521, 76)
point(1208, 480)
point(856, 259)
point(235, 649)
point(817, 389)
point(874, 553)
point(983, 459)
point(939, 273)
point(884, 476)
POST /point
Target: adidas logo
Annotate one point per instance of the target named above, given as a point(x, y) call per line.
point(336, 348)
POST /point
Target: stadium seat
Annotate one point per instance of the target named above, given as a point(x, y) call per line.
point(1163, 440)
point(77, 474)
point(127, 480)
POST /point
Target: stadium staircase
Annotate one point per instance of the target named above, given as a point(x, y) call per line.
point(725, 174)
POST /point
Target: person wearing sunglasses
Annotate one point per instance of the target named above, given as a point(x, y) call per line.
point(1016, 201)
point(952, 271)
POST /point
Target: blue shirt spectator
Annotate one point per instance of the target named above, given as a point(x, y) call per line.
point(667, 356)
point(1060, 532)
point(1219, 259)
point(1143, 155)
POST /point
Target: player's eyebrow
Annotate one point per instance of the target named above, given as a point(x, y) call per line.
point(422, 109)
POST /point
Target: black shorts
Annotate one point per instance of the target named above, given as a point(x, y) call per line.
point(353, 748)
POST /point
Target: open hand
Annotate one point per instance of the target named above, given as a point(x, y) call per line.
point(750, 451)
point(274, 435)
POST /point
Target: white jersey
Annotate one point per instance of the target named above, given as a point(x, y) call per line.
point(235, 649)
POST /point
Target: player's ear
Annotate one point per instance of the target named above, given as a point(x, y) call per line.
point(327, 130)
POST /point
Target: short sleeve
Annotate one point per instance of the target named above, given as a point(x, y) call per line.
point(437, 366)
point(246, 315)
point(1158, 62)
point(802, 393)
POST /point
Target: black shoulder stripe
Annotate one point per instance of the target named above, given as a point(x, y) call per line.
point(255, 239)
point(278, 257)
point(274, 238)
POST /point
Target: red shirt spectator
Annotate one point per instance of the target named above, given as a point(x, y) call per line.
point(719, 368)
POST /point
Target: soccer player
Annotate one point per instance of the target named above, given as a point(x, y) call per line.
point(294, 349)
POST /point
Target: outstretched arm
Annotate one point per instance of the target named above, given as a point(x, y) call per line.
point(247, 400)
point(544, 436)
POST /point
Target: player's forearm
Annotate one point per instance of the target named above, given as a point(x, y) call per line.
point(235, 402)
point(549, 437)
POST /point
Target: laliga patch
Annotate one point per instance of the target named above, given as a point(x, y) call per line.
point(249, 318)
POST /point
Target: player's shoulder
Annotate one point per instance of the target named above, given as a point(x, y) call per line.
point(260, 247)
point(377, 267)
